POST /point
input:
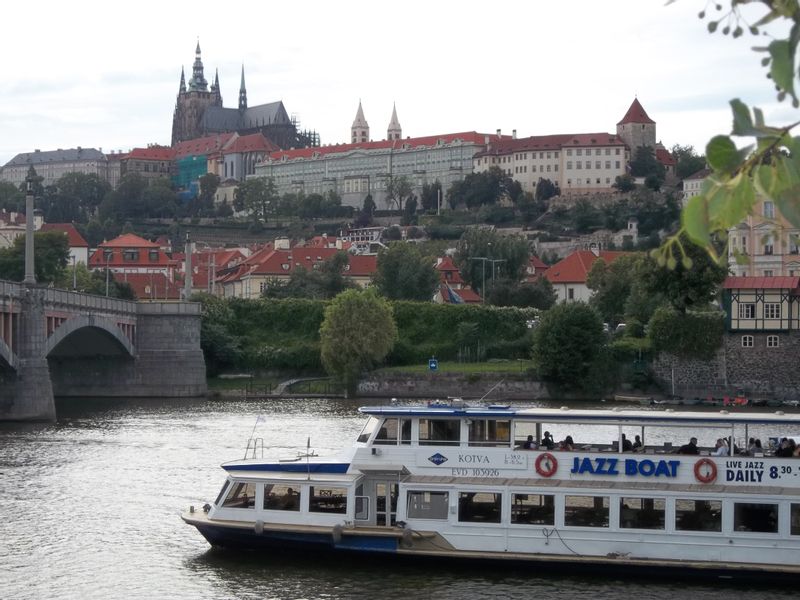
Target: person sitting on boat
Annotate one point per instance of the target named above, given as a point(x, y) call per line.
point(690, 448)
point(567, 444)
point(290, 500)
point(626, 444)
point(548, 441)
point(529, 444)
point(785, 449)
point(720, 448)
point(637, 443)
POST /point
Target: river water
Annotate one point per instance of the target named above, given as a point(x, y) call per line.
point(90, 508)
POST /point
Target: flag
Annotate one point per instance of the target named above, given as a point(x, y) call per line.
point(261, 419)
point(452, 297)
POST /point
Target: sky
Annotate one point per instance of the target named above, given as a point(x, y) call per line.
point(101, 75)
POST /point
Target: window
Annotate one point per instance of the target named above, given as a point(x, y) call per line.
point(772, 341)
point(617, 163)
point(608, 164)
point(747, 310)
point(569, 164)
point(617, 153)
point(281, 497)
point(152, 255)
point(130, 255)
point(698, 515)
point(642, 513)
point(533, 509)
point(569, 151)
point(608, 151)
point(762, 518)
point(427, 505)
point(439, 431)
point(772, 310)
point(769, 209)
point(328, 500)
point(388, 433)
point(795, 520)
point(241, 495)
point(769, 245)
point(578, 164)
point(586, 511)
point(108, 255)
point(747, 341)
point(597, 164)
point(578, 152)
point(768, 272)
point(479, 507)
point(369, 427)
point(571, 291)
point(555, 167)
point(489, 432)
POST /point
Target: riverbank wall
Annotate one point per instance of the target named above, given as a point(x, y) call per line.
point(443, 385)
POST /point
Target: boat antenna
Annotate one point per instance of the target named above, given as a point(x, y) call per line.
point(492, 389)
point(308, 451)
point(259, 419)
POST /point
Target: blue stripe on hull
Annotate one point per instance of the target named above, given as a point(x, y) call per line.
point(295, 467)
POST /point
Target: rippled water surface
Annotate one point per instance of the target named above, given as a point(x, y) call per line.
point(90, 508)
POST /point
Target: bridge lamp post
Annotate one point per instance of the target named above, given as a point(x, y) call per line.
point(74, 275)
point(108, 258)
point(30, 273)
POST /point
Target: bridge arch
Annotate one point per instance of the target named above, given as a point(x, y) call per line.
point(7, 355)
point(88, 335)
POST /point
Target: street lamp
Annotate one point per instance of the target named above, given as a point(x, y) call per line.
point(483, 260)
point(74, 275)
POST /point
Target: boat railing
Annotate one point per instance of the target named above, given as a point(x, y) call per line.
point(254, 447)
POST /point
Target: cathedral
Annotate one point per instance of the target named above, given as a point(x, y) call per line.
point(199, 112)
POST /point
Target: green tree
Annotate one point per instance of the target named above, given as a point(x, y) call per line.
point(611, 286)
point(209, 183)
point(687, 335)
point(431, 196)
point(539, 294)
point(410, 212)
point(586, 216)
point(403, 273)
point(357, 333)
point(687, 161)
point(645, 164)
point(222, 348)
point(51, 253)
point(566, 344)
point(11, 199)
point(486, 187)
point(692, 283)
point(323, 283)
point(258, 196)
point(624, 183)
point(398, 189)
point(546, 189)
point(481, 253)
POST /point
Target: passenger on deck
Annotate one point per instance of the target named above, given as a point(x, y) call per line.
point(637, 444)
point(568, 444)
point(690, 448)
point(720, 448)
point(547, 441)
point(785, 449)
point(529, 444)
point(626, 444)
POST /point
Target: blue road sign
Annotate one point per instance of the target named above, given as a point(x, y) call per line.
point(433, 364)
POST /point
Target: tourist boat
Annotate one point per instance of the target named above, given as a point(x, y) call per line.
point(452, 481)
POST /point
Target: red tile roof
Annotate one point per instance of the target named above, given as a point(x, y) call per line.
point(468, 295)
point(537, 263)
point(254, 142)
point(701, 174)
point(761, 283)
point(469, 137)
point(362, 265)
point(665, 157)
point(636, 114)
point(128, 240)
point(162, 153)
point(150, 286)
point(575, 267)
point(75, 238)
point(202, 146)
point(551, 142)
point(448, 272)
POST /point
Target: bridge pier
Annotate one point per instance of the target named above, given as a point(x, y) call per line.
point(26, 393)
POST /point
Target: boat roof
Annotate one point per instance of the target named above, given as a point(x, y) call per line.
point(614, 416)
point(317, 478)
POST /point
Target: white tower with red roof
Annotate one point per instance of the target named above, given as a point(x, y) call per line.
point(636, 128)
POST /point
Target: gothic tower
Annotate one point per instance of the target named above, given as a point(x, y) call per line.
point(242, 94)
point(636, 128)
point(360, 128)
point(192, 102)
point(394, 132)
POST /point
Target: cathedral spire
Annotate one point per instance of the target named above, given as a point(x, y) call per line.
point(198, 82)
point(242, 93)
point(394, 132)
point(360, 127)
point(182, 88)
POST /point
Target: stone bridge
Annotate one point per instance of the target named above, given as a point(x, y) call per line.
point(55, 342)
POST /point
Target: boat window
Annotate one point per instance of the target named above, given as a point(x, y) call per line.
point(642, 513)
point(586, 511)
point(762, 518)
point(795, 521)
point(533, 509)
point(698, 515)
point(278, 496)
point(387, 434)
point(405, 431)
point(439, 432)
point(427, 505)
point(489, 432)
point(479, 507)
point(221, 493)
point(328, 499)
point(369, 427)
point(241, 495)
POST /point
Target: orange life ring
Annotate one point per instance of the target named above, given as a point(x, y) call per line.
point(708, 477)
point(546, 464)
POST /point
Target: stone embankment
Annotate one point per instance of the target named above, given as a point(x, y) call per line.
point(492, 386)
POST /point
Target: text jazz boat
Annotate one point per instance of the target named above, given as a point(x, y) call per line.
point(451, 481)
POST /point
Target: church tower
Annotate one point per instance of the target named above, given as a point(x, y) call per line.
point(242, 94)
point(636, 128)
point(360, 128)
point(394, 132)
point(192, 101)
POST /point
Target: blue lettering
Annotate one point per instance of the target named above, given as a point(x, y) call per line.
point(586, 466)
point(630, 466)
point(646, 467)
point(599, 464)
point(662, 469)
point(575, 465)
point(729, 475)
point(612, 466)
point(673, 465)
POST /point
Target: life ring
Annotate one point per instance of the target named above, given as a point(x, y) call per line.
point(546, 464)
point(705, 477)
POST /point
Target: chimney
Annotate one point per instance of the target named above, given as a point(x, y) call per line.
point(498, 133)
point(513, 134)
point(486, 139)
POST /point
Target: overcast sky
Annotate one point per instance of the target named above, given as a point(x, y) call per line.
point(102, 75)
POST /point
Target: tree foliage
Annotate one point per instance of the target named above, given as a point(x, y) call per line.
point(686, 335)
point(323, 283)
point(51, 253)
point(481, 253)
point(258, 196)
point(398, 190)
point(566, 344)
point(539, 294)
point(546, 189)
point(486, 187)
point(611, 285)
point(403, 273)
point(687, 161)
point(358, 332)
